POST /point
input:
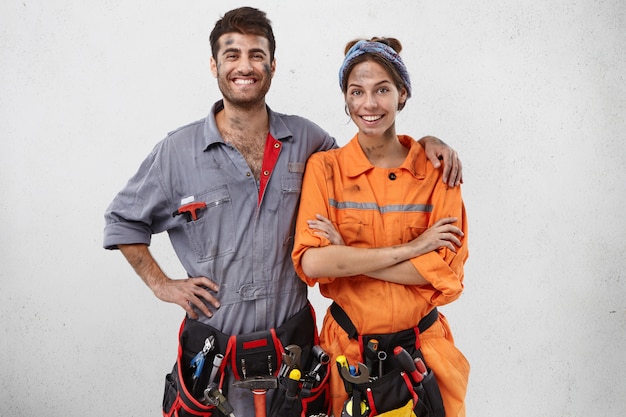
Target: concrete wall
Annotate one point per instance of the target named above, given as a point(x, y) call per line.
point(532, 95)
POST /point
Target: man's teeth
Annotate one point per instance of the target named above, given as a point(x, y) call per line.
point(371, 118)
point(246, 81)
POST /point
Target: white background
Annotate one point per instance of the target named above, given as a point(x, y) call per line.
point(531, 93)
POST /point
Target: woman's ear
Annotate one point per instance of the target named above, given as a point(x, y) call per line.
point(403, 96)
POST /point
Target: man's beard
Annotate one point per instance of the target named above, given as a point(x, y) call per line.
point(244, 101)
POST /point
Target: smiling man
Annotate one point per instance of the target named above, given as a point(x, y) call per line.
point(226, 189)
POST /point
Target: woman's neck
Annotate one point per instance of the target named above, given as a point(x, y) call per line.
point(383, 151)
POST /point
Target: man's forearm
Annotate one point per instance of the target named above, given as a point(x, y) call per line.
point(140, 258)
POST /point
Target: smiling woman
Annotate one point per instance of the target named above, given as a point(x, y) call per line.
point(378, 227)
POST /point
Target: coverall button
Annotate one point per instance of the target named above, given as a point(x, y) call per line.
point(392, 176)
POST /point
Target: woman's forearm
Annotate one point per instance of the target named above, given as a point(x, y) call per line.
point(402, 273)
point(344, 261)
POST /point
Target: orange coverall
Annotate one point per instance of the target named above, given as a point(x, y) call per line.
point(376, 207)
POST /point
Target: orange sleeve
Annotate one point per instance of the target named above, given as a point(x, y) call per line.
point(444, 268)
point(313, 201)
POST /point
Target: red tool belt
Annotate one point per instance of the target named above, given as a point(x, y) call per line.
point(392, 358)
point(254, 355)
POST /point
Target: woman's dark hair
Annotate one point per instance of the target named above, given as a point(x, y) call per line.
point(394, 44)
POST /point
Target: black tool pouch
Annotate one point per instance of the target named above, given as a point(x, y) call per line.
point(393, 390)
point(254, 354)
point(248, 355)
point(389, 392)
point(427, 401)
point(430, 403)
point(307, 402)
point(312, 398)
point(183, 397)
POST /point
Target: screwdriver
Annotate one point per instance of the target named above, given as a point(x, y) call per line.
point(406, 362)
point(342, 362)
point(292, 384)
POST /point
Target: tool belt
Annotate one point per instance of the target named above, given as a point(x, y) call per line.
point(190, 391)
point(394, 384)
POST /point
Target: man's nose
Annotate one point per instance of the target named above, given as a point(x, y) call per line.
point(245, 65)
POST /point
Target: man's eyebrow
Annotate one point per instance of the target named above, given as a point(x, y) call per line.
point(257, 50)
point(238, 51)
point(229, 50)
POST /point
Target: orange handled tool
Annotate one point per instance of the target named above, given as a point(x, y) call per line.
point(190, 210)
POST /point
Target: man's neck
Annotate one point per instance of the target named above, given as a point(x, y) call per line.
point(233, 119)
point(246, 129)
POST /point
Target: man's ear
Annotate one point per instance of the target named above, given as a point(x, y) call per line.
point(273, 67)
point(213, 65)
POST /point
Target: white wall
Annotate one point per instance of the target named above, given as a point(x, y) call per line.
point(532, 95)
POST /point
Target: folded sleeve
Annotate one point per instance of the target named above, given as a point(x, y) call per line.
point(140, 209)
point(313, 201)
point(443, 268)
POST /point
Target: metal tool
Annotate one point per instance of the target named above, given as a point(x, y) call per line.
point(342, 363)
point(197, 363)
point(291, 360)
point(244, 371)
point(382, 357)
point(406, 362)
point(270, 369)
point(362, 376)
point(217, 362)
point(213, 396)
point(320, 355)
point(259, 386)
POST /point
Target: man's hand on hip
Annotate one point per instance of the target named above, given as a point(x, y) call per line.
point(188, 293)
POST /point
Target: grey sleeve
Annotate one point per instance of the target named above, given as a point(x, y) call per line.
point(140, 209)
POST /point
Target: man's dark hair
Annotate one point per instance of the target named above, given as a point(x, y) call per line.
point(244, 20)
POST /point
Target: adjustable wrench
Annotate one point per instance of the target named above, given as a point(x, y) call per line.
point(361, 377)
point(291, 360)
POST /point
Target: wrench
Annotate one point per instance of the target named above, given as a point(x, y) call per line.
point(362, 376)
point(291, 360)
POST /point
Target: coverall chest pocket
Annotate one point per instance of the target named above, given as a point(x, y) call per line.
point(414, 224)
point(212, 235)
point(356, 228)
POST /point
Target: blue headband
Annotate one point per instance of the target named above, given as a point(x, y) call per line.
point(377, 48)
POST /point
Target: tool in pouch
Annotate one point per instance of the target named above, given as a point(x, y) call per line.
point(254, 359)
point(197, 363)
point(212, 394)
point(302, 383)
point(408, 381)
point(393, 384)
point(351, 376)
